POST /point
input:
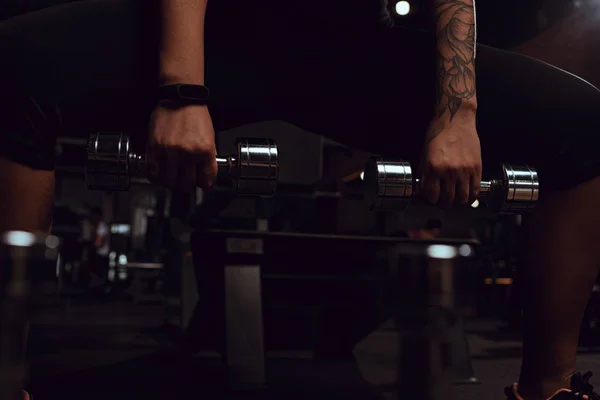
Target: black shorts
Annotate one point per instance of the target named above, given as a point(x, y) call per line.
point(92, 65)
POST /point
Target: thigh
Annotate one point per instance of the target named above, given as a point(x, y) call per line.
point(26, 198)
point(80, 54)
point(531, 112)
point(69, 70)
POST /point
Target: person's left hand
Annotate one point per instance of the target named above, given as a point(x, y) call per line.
point(181, 148)
point(452, 161)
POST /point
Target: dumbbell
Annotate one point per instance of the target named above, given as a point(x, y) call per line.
point(111, 164)
point(390, 185)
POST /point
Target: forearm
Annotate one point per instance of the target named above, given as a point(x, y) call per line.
point(182, 41)
point(455, 41)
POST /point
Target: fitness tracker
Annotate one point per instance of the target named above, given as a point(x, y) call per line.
point(181, 95)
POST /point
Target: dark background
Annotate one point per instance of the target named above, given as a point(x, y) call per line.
point(503, 24)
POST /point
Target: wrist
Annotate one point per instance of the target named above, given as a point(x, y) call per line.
point(464, 115)
point(173, 73)
point(468, 107)
point(176, 78)
point(182, 95)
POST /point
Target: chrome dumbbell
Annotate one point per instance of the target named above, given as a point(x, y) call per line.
point(111, 165)
point(390, 185)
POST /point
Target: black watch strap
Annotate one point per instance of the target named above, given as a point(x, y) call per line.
point(183, 94)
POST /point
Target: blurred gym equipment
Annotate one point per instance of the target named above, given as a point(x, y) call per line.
point(248, 261)
point(25, 258)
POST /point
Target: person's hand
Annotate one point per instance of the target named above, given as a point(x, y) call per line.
point(181, 151)
point(451, 162)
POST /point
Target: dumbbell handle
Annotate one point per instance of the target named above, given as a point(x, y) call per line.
point(138, 163)
point(485, 187)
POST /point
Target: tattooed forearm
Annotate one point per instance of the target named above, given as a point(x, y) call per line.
point(455, 33)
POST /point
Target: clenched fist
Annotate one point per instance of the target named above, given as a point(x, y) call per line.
point(451, 162)
point(181, 151)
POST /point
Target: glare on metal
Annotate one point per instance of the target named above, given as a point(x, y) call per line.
point(441, 251)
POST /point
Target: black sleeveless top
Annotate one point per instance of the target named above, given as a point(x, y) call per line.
point(283, 17)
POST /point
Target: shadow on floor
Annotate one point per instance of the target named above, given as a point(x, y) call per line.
point(164, 377)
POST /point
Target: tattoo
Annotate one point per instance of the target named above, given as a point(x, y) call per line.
point(433, 132)
point(456, 54)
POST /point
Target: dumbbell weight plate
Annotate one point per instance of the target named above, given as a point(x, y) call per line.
point(519, 189)
point(258, 167)
point(108, 166)
point(388, 185)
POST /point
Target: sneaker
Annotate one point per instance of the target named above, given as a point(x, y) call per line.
point(581, 389)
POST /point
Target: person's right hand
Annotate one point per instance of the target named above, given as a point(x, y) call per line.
point(181, 152)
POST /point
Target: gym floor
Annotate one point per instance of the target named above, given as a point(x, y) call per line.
point(94, 351)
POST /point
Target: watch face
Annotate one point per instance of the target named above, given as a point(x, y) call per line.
point(193, 92)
